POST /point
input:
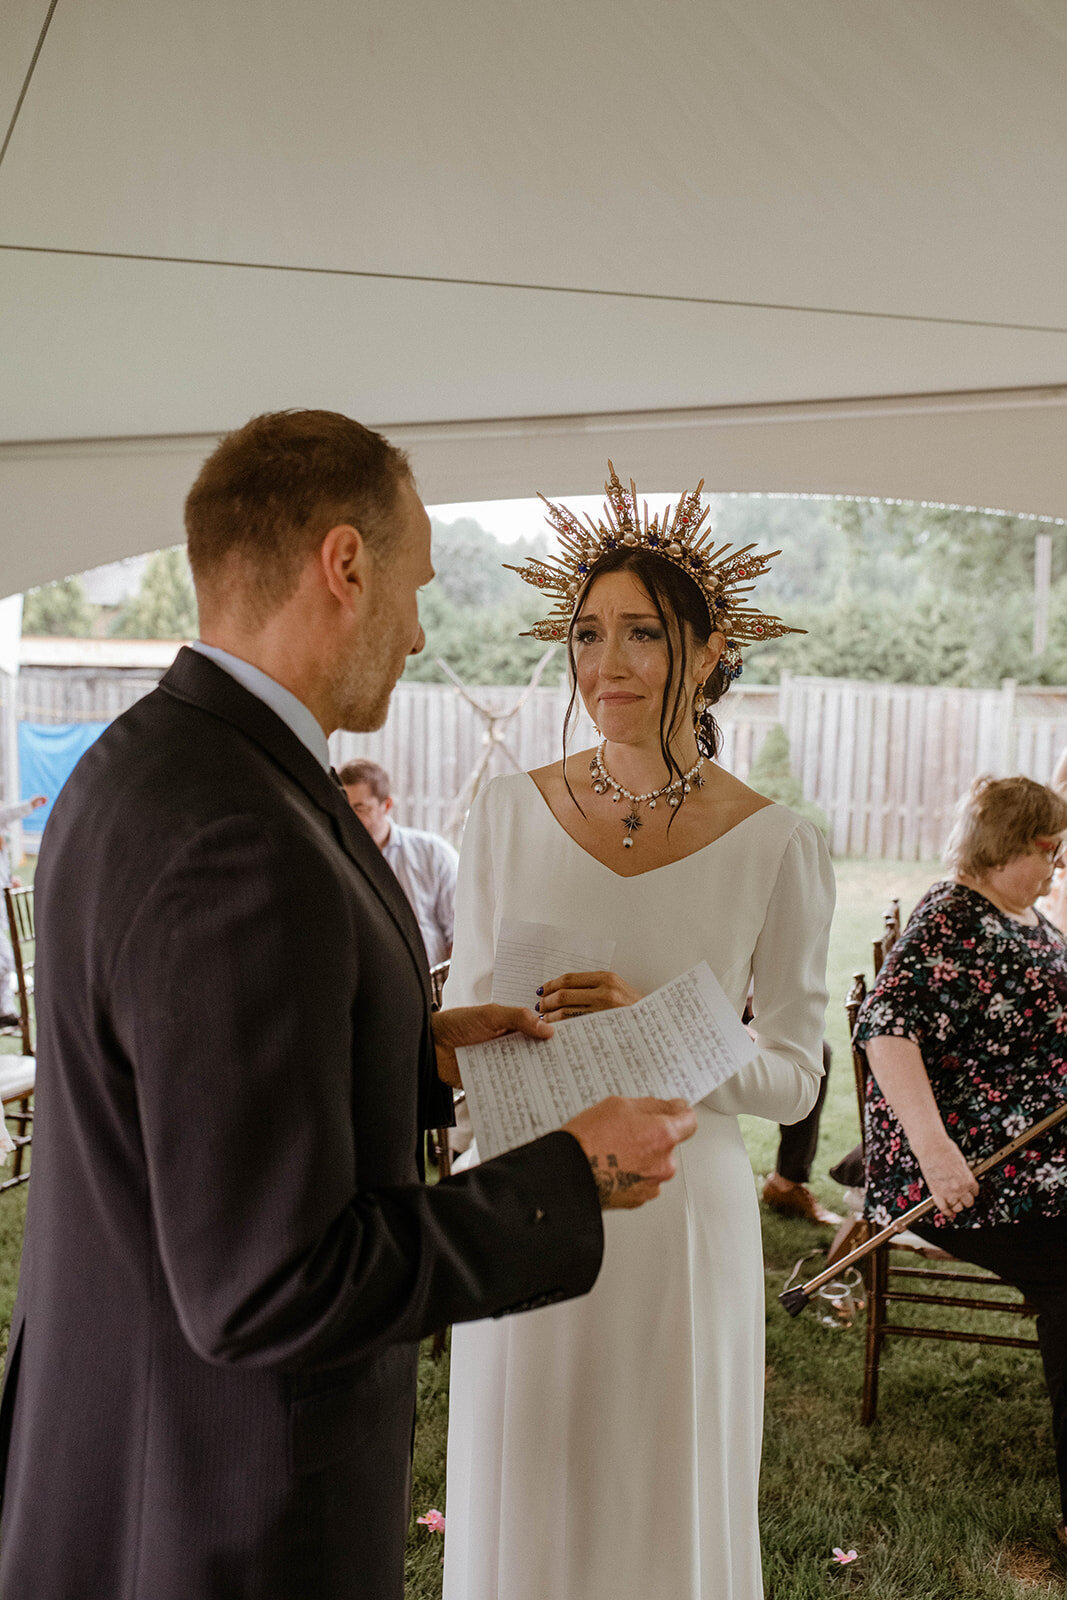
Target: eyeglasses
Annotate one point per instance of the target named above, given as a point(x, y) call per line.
point(1055, 849)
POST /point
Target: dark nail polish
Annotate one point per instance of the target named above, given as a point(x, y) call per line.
point(541, 990)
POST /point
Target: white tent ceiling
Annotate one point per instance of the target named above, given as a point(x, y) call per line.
point(811, 247)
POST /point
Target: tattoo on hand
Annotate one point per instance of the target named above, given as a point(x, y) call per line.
point(608, 1182)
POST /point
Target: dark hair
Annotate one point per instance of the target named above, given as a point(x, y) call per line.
point(369, 772)
point(679, 601)
point(271, 491)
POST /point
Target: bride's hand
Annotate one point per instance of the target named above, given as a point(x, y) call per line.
point(577, 993)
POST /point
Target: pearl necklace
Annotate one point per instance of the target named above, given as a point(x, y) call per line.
point(603, 781)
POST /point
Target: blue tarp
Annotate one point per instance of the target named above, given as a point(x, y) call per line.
point(48, 754)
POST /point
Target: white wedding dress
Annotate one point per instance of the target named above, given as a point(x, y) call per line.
point(607, 1448)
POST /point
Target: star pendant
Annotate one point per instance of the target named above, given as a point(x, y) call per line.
point(631, 824)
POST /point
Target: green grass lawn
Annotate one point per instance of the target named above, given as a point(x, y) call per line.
point(950, 1496)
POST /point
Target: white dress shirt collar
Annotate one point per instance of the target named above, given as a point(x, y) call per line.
point(293, 712)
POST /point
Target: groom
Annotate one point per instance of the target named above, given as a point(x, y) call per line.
point(229, 1254)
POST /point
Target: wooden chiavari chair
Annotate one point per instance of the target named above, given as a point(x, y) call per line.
point(17, 1072)
point(438, 1148)
point(883, 1277)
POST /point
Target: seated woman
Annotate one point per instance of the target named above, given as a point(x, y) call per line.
point(966, 1035)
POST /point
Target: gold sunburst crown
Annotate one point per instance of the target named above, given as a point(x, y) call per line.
point(724, 575)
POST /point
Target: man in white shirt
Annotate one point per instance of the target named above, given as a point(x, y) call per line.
point(424, 863)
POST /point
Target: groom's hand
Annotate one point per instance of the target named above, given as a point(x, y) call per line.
point(630, 1146)
point(474, 1025)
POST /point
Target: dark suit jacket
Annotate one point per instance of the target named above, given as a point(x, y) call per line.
point(229, 1255)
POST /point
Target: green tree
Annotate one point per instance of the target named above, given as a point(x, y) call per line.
point(469, 563)
point(973, 552)
point(805, 531)
point(895, 593)
point(475, 610)
point(771, 774)
point(931, 636)
point(59, 610)
point(482, 644)
point(164, 607)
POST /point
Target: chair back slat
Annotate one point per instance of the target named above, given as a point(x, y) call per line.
point(23, 933)
point(18, 906)
point(856, 995)
point(440, 1151)
point(892, 924)
point(20, 913)
point(438, 974)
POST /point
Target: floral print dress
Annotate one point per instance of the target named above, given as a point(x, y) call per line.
point(985, 998)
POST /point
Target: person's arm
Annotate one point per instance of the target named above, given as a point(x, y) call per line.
point(19, 809)
point(788, 989)
point(446, 867)
point(900, 1073)
point(628, 1143)
point(232, 997)
point(470, 973)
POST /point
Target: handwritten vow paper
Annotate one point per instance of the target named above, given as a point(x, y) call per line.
point(530, 953)
point(681, 1041)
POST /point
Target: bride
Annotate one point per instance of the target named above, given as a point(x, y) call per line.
point(608, 1448)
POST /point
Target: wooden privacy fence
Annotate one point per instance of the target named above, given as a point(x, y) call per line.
point(433, 740)
point(886, 762)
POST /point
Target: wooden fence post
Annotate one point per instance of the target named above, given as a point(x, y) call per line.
point(1006, 758)
point(787, 701)
point(886, 762)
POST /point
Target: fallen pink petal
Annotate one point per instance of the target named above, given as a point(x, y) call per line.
point(842, 1557)
point(432, 1520)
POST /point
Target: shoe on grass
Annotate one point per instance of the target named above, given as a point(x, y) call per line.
point(796, 1200)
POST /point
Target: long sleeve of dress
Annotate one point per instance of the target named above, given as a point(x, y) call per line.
point(788, 989)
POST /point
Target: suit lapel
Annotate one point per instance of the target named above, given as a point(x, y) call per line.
point(201, 682)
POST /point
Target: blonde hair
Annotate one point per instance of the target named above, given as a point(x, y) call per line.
point(999, 819)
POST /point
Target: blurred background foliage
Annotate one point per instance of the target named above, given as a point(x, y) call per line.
point(899, 593)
